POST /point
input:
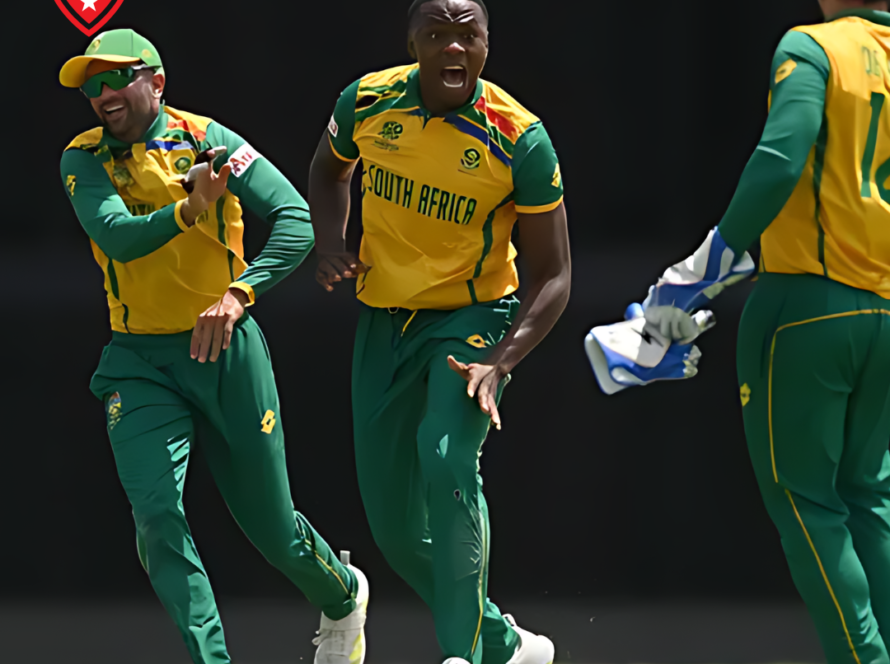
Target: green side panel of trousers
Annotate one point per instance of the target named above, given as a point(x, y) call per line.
point(814, 377)
point(418, 439)
point(155, 395)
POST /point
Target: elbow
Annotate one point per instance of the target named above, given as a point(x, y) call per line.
point(565, 287)
point(558, 286)
point(119, 253)
point(789, 175)
point(121, 256)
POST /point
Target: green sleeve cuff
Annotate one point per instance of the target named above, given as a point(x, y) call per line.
point(177, 216)
point(537, 180)
point(247, 289)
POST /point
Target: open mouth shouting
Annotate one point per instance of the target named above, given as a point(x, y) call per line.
point(454, 76)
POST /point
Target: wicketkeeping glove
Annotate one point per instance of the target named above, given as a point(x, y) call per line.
point(692, 284)
point(655, 341)
point(633, 353)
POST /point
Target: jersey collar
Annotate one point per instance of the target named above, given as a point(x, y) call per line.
point(417, 98)
point(872, 15)
point(157, 128)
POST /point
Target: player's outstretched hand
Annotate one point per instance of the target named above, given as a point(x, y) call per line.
point(213, 332)
point(337, 266)
point(483, 380)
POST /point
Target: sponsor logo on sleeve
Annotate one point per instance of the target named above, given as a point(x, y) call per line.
point(745, 394)
point(242, 159)
point(785, 70)
point(333, 127)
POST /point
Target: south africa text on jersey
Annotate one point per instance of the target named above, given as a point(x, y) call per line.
point(430, 201)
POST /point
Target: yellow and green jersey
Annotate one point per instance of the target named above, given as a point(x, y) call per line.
point(818, 185)
point(440, 195)
point(160, 275)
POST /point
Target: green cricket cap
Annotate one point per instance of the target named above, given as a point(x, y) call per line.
point(122, 46)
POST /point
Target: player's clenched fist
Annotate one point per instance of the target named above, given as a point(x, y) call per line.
point(213, 332)
point(337, 266)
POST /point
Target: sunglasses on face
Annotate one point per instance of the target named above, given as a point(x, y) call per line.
point(116, 79)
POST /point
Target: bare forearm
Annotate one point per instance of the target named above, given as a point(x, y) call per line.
point(541, 308)
point(329, 202)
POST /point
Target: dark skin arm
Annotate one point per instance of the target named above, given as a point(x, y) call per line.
point(545, 251)
point(329, 178)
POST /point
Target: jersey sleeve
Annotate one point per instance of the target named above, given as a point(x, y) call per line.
point(104, 216)
point(265, 191)
point(342, 125)
point(800, 73)
point(537, 181)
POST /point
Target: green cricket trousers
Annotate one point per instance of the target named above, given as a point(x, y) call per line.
point(154, 392)
point(418, 439)
point(814, 376)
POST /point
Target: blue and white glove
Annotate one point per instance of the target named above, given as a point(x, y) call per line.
point(633, 353)
point(654, 343)
point(692, 284)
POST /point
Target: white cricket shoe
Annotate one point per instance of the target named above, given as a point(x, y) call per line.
point(533, 648)
point(343, 641)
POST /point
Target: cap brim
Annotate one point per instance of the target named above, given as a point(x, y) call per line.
point(74, 72)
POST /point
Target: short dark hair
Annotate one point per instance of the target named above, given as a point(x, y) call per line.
point(412, 10)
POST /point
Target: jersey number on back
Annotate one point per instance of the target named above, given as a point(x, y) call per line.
point(868, 158)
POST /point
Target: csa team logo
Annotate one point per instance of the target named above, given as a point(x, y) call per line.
point(471, 159)
point(182, 165)
point(122, 177)
point(745, 394)
point(114, 410)
point(89, 16)
point(392, 131)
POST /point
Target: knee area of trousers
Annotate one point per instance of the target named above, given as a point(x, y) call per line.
point(442, 462)
point(396, 541)
point(398, 549)
point(159, 522)
point(284, 553)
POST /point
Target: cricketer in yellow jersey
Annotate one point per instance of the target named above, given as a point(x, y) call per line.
point(450, 163)
point(166, 230)
point(814, 342)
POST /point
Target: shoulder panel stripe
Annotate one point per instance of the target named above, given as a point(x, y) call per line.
point(504, 125)
point(465, 126)
point(169, 145)
point(89, 140)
